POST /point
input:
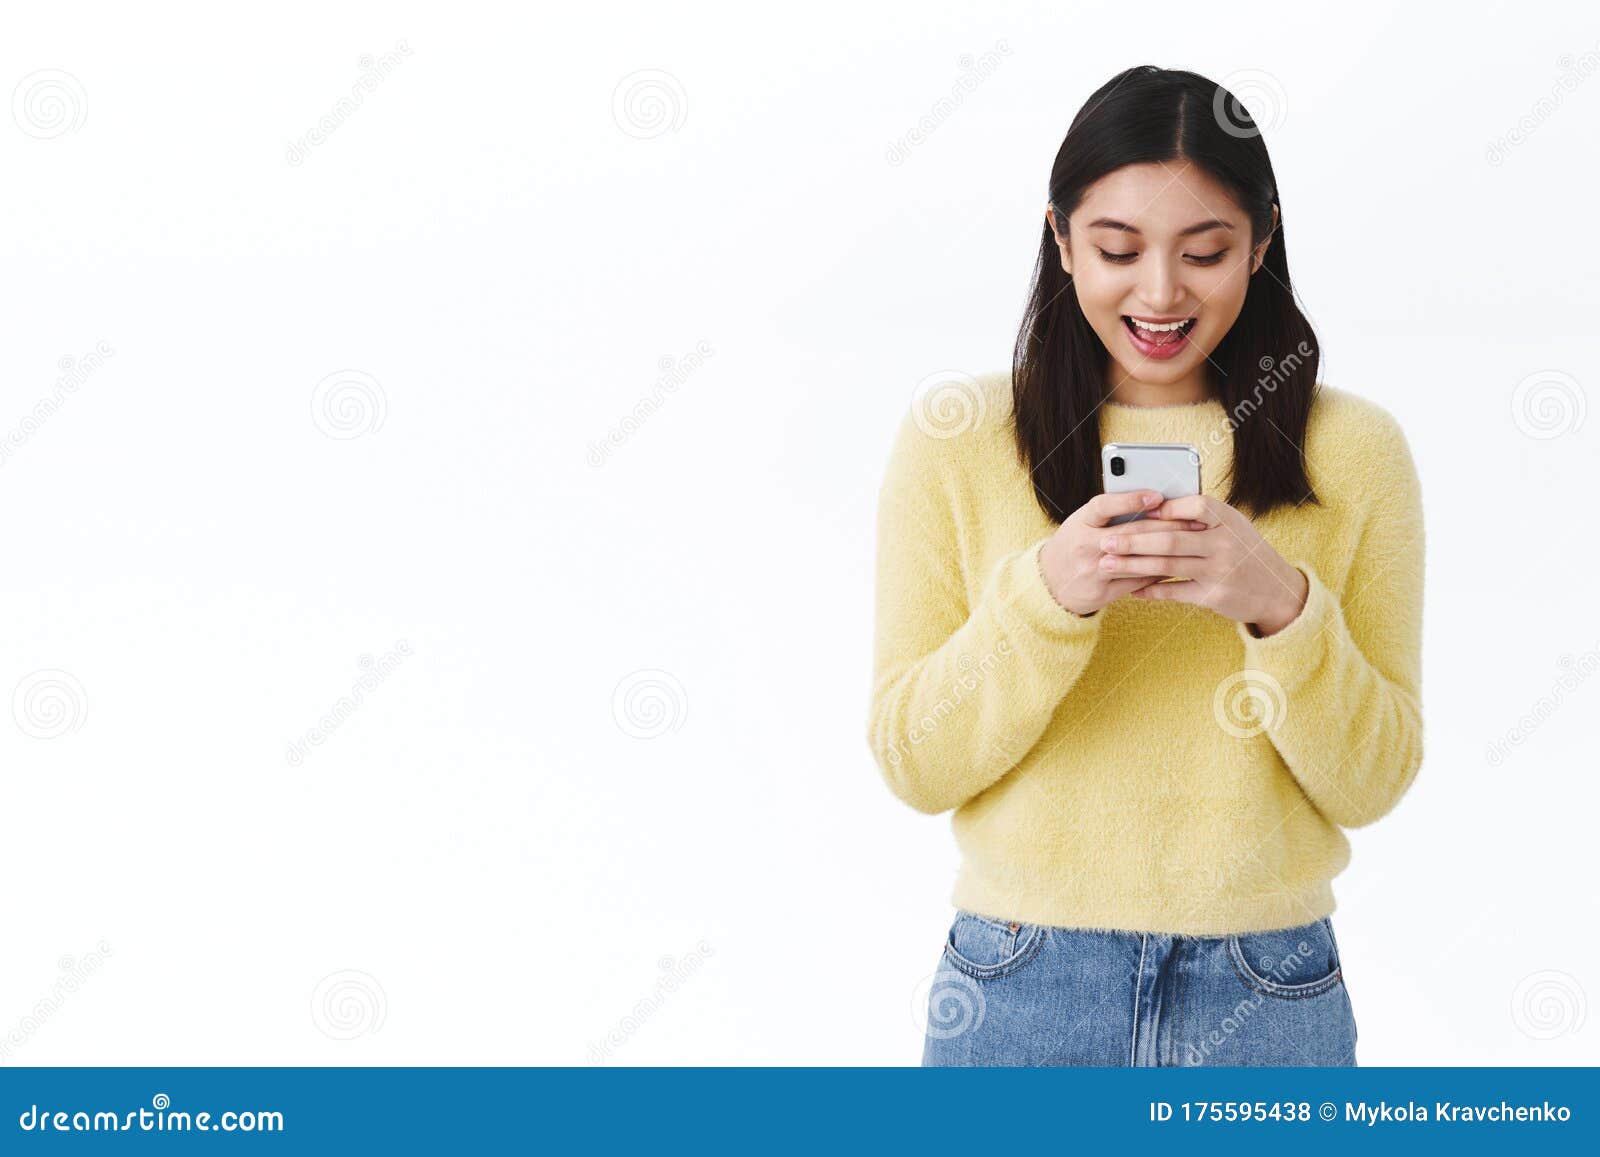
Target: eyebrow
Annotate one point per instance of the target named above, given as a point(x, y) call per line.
point(1197, 227)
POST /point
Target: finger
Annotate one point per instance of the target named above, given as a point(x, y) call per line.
point(1181, 591)
point(1100, 509)
point(1188, 543)
point(1120, 565)
point(1200, 507)
point(1131, 585)
point(1149, 525)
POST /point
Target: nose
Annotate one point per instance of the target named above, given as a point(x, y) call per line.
point(1161, 288)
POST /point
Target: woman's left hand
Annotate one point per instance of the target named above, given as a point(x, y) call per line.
point(1231, 569)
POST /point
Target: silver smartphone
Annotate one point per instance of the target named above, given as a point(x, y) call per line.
point(1173, 468)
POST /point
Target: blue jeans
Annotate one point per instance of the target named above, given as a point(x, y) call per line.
point(1034, 994)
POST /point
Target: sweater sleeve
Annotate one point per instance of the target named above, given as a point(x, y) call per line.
point(959, 693)
point(1349, 725)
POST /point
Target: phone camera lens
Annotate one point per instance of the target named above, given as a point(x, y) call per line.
point(1117, 467)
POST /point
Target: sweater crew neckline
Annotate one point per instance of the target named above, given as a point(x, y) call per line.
point(1162, 406)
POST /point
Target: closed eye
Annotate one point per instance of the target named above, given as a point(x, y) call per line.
point(1125, 258)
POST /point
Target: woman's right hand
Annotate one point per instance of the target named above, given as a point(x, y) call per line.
point(1071, 559)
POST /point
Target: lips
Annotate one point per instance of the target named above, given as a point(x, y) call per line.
point(1160, 344)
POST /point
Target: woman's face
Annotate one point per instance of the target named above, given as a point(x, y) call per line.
point(1163, 243)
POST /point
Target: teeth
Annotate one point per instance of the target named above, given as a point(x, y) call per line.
point(1161, 328)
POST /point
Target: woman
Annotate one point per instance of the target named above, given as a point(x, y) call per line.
point(1151, 734)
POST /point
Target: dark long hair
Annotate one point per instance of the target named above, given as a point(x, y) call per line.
point(1145, 115)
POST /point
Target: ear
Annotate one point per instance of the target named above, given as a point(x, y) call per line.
point(1260, 253)
point(1055, 229)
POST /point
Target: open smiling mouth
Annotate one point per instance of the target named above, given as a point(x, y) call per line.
point(1159, 340)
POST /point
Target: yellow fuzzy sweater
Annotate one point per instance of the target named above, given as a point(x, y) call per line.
point(1154, 767)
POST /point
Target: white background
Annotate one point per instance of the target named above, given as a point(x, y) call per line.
point(486, 862)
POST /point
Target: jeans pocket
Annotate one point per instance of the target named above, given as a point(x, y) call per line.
point(985, 948)
point(1288, 962)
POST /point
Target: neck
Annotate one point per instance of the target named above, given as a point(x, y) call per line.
point(1128, 390)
